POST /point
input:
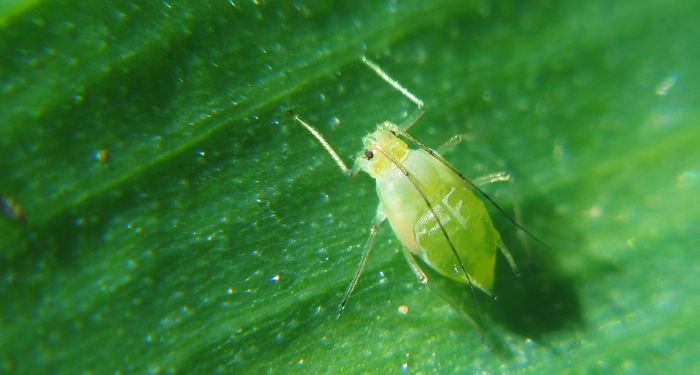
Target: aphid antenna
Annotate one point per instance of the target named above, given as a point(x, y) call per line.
point(347, 171)
point(418, 112)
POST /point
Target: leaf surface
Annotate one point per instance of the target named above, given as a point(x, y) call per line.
point(177, 220)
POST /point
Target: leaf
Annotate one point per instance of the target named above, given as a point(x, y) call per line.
point(178, 220)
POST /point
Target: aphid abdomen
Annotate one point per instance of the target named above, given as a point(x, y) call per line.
point(401, 202)
point(462, 214)
point(471, 232)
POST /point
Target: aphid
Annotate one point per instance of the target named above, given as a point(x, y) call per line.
point(431, 207)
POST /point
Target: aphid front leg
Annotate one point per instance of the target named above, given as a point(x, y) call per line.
point(373, 230)
point(423, 279)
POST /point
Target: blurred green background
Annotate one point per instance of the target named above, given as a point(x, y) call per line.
point(178, 221)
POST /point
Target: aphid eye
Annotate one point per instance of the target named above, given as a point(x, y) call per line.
point(369, 154)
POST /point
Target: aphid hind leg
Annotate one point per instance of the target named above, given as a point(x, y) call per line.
point(506, 176)
point(373, 230)
point(423, 279)
point(418, 112)
point(488, 179)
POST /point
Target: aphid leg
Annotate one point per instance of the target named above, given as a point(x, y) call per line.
point(395, 84)
point(423, 279)
point(347, 171)
point(493, 177)
point(373, 230)
point(509, 257)
point(454, 141)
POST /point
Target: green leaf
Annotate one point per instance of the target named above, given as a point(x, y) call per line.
point(177, 220)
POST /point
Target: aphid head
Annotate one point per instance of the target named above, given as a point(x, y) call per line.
point(377, 146)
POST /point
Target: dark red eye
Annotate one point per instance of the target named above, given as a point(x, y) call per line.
point(369, 154)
